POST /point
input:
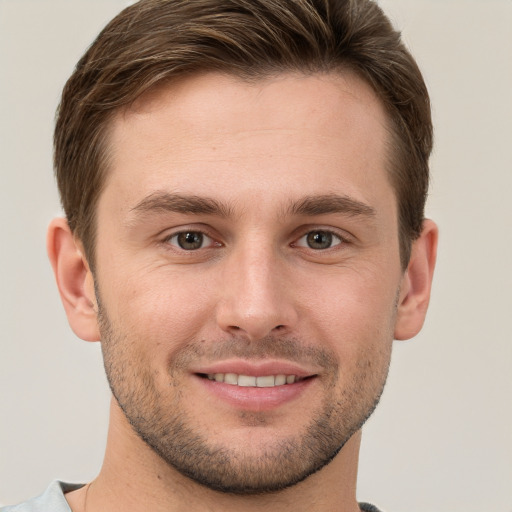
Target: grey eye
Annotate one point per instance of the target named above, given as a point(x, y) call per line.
point(319, 240)
point(189, 240)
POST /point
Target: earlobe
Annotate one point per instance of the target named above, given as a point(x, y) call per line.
point(74, 280)
point(417, 283)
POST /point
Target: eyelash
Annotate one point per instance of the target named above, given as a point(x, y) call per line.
point(169, 239)
point(334, 240)
point(331, 236)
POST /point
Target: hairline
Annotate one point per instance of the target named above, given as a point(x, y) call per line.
point(87, 234)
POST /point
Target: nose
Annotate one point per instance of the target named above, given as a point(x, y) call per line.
point(256, 297)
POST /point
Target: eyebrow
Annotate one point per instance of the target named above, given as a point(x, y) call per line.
point(162, 202)
point(332, 203)
point(177, 203)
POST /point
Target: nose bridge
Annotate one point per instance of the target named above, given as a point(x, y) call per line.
point(254, 301)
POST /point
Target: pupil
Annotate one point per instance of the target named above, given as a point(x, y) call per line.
point(190, 240)
point(319, 240)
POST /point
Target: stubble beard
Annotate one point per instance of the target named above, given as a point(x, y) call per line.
point(163, 424)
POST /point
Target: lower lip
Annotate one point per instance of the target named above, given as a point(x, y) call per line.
point(253, 398)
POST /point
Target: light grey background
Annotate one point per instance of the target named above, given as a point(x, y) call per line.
point(442, 438)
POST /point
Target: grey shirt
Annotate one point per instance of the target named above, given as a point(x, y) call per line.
point(53, 500)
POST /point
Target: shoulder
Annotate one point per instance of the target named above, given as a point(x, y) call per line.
point(52, 500)
point(366, 507)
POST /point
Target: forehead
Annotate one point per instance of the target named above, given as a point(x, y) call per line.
point(221, 133)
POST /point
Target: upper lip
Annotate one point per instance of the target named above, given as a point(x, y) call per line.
point(254, 368)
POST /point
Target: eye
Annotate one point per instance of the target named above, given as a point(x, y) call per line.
point(190, 240)
point(319, 240)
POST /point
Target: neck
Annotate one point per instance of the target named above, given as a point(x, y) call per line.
point(133, 478)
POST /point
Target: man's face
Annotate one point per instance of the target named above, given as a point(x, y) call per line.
point(247, 236)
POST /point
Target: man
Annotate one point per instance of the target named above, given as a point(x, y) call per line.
point(244, 186)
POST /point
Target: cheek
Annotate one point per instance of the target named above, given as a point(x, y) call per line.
point(160, 308)
point(353, 300)
point(355, 315)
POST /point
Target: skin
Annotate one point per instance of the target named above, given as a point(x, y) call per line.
point(273, 164)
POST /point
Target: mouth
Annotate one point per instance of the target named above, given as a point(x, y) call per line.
point(255, 385)
point(254, 381)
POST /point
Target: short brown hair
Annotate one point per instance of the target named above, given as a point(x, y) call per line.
point(157, 40)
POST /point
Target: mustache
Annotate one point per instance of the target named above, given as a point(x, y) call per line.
point(287, 348)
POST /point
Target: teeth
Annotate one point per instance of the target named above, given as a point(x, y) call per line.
point(263, 381)
point(280, 380)
point(246, 381)
point(231, 378)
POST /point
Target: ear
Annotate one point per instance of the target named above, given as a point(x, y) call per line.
point(417, 283)
point(74, 280)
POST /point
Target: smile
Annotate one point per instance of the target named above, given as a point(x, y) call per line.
point(263, 381)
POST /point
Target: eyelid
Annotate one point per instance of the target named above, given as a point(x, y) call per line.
point(213, 242)
point(300, 243)
point(173, 240)
point(342, 236)
point(213, 239)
